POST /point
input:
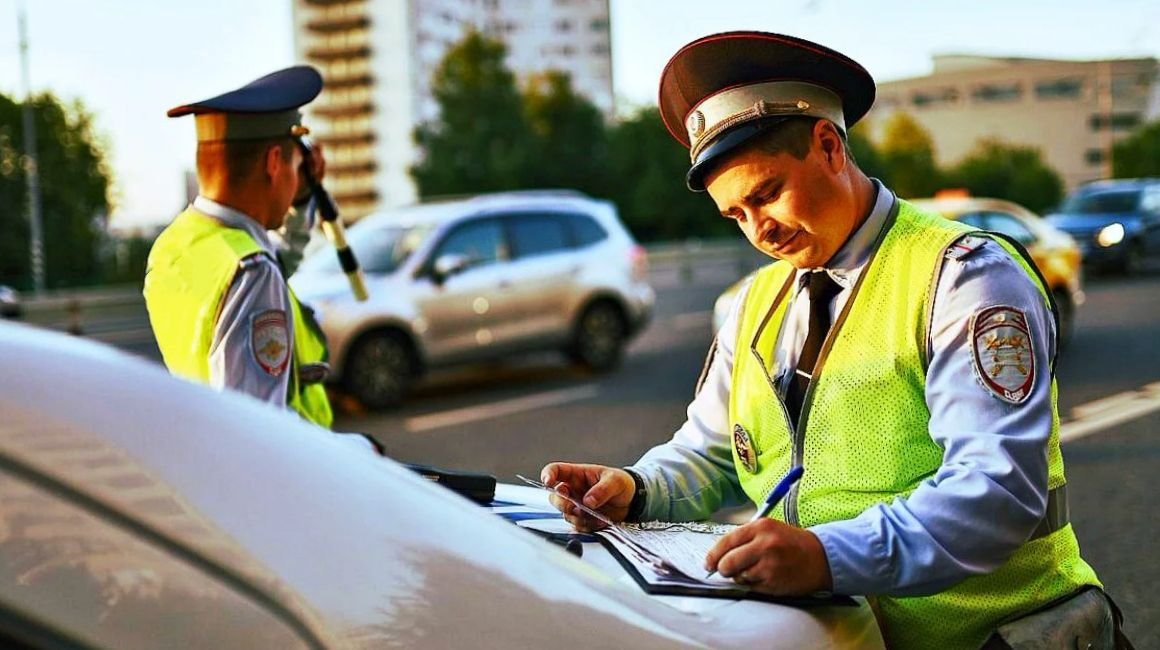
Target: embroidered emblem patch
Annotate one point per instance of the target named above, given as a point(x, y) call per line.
point(270, 341)
point(1001, 353)
point(743, 447)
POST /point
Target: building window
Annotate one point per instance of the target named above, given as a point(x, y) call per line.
point(598, 24)
point(563, 26)
point(1115, 121)
point(600, 48)
point(1059, 89)
point(1094, 157)
point(1008, 92)
point(927, 98)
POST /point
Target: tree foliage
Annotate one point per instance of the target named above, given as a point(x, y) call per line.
point(649, 170)
point(481, 140)
point(74, 188)
point(1013, 172)
point(907, 153)
point(1139, 154)
point(569, 139)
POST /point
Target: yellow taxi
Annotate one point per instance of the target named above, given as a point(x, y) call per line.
point(1055, 253)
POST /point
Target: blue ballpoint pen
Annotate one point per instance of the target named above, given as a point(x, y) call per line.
point(775, 496)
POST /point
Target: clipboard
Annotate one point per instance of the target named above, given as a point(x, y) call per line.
point(673, 570)
point(704, 590)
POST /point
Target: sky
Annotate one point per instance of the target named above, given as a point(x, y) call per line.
point(129, 61)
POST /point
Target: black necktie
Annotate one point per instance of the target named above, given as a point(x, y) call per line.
point(822, 290)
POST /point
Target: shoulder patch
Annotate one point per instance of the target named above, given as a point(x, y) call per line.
point(270, 341)
point(965, 246)
point(1001, 353)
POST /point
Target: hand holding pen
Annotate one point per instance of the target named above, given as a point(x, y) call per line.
point(775, 496)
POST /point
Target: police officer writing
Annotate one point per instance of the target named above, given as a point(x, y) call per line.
point(218, 301)
point(903, 361)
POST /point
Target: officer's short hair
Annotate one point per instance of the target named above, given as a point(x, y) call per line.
point(240, 159)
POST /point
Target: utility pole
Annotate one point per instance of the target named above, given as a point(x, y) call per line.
point(31, 167)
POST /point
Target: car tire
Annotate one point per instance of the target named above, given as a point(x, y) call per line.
point(599, 337)
point(379, 369)
point(1066, 317)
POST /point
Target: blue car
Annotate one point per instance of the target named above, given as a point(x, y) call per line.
point(1116, 223)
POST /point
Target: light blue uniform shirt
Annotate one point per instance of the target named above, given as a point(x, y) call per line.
point(991, 489)
point(258, 287)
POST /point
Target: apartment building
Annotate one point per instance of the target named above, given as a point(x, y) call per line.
point(1072, 111)
point(378, 58)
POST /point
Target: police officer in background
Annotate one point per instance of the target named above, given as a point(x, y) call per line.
point(904, 361)
point(217, 296)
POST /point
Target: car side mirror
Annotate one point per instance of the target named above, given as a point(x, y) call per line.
point(448, 265)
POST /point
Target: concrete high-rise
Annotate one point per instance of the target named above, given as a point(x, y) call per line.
point(378, 57)
point(1072, 111)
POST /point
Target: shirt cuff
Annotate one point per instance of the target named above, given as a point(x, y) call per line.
point(857, 557)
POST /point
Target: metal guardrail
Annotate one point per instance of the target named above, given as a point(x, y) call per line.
point(117, 314)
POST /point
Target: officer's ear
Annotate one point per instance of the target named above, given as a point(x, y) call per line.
point(831, 144)
point(275, 159)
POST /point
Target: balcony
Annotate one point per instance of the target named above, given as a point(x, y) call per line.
point(324, 25)
point(347, 139)
point(330, 3)
point(353, 81)
point(343, 110)
point(352, 167)
point(327, 53)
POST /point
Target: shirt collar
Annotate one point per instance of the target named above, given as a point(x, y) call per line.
point(845, 265)
point(232, 218)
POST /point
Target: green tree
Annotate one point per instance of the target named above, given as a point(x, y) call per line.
point(908, 157)
point(1013, 172)
point(866, 154)
point(74, 187)
point(570, 147)
point(648, 183)
point(1139, 154)
point(481, 141)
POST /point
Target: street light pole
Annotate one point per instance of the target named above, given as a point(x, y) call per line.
point(31, 167)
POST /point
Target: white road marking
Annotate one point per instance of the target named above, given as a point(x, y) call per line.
point(498, 409)
point(1107, 412)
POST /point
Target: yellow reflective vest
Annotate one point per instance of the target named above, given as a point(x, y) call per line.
point(191, 267)
point(863, 433)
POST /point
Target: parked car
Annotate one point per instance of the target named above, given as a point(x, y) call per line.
point(152, 512)
point(1056, 255)
point(479, 278)
point(1117, 222)
point(10, 304)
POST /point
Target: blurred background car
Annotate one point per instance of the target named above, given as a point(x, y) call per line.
point(1056, 254)
point(474, 279)
point(1116, 222)
point(158, 513)
point(10, 304)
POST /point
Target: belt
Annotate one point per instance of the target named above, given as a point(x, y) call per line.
point(1056, 515)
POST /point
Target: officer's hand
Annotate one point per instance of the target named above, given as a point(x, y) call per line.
point(607, 490)
point(317, 167)
point(772, 557)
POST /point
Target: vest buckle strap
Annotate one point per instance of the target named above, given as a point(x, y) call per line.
point(1056, 515)
point(313, 373)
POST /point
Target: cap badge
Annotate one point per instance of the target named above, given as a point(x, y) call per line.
point(743, 448)
point(1001, 352)
point(695, 124)
point(270, 341)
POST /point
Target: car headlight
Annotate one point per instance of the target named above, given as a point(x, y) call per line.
point(1110, 235)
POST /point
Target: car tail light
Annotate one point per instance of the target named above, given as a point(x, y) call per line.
point(638, 258)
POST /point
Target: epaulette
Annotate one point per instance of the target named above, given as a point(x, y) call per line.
point(964, 247)
point(252, 260)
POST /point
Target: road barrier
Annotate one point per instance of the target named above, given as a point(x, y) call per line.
point(117, 314)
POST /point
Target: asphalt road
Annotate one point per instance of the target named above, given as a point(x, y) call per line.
point(514, 417)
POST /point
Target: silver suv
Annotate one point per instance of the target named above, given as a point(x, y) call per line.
point(465, 280)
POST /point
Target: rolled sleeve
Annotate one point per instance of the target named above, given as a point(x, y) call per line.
point(990, 492)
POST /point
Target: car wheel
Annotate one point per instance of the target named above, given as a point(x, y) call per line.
point(1066, 317)
point(600, 336)
point(379, 369)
